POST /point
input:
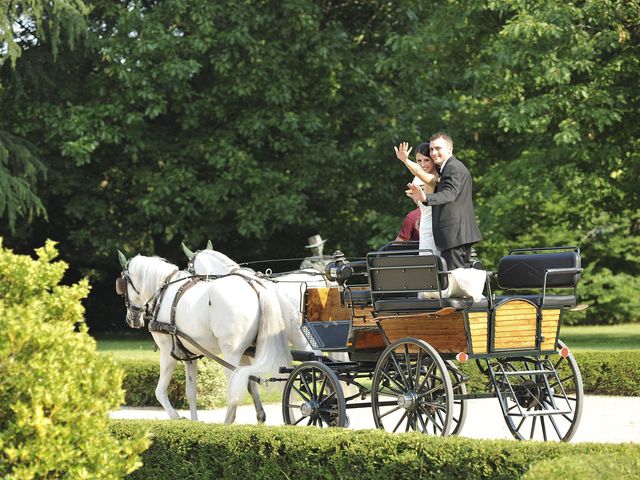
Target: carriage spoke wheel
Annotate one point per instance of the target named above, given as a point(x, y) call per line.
point(552, 404)
point(313, 397)
point(459, 414)
point(411, 389)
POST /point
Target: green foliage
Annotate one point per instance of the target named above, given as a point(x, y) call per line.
point(594, 466)
point(229, 121)
point(25, 23)
point(192, 450)
point(55, 390)
point(19, 172)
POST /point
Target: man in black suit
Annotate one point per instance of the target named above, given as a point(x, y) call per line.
point(454, 221)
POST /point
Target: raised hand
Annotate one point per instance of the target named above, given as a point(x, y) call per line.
point(403, 151)
point(416, 192)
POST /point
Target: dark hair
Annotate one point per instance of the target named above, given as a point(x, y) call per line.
point(423, 149)
point(444, 136)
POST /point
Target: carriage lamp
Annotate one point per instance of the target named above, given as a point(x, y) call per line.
point(339, 269)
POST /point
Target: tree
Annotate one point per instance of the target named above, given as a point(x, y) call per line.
point(23, 25)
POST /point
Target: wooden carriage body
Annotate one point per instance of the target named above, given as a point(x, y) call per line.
point(402, 332)
point(403, 298)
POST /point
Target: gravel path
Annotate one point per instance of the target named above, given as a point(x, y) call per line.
point(604, 419)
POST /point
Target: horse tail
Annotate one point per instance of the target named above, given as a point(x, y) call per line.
point(272, 347)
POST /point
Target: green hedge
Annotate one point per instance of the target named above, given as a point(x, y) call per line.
point(141, 377)
point(206, 451)
point(603, 373)
point(598, 466)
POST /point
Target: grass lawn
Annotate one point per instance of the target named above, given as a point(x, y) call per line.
point(606, 337)
point(602, 337)
point(138, 346)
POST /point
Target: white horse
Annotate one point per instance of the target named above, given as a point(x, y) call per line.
point(226, 315)
point(289, 288)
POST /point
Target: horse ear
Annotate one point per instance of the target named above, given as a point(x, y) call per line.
point(209, 245)
point(123, 259)
point(187, 252)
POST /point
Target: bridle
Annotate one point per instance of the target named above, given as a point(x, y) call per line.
point(125, 280)
point(122, 285)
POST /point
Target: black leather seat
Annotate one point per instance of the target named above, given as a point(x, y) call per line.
point(541, 269)
point(415, 304)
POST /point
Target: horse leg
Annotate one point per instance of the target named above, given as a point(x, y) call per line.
point(261, 415)
point(167, 365)
point(234, 359)
point(191, 375)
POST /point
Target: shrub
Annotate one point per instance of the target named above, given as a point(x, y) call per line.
point(141, 378)
point(603, 373)
point(55, 390)
point(206, 451)
point(597, 466)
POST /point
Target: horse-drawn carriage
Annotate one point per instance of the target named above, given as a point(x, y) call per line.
point(406, 343)
point(386, 327)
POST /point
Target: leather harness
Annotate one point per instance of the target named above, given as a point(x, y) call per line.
point(179, 351)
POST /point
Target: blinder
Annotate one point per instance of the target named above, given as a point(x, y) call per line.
point(121, 286)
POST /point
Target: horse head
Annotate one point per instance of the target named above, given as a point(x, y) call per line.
point(130, 290)
point(140, 281)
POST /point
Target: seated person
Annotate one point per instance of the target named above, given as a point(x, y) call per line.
point(410, 230)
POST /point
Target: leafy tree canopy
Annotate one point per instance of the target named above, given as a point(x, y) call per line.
point(257, 125)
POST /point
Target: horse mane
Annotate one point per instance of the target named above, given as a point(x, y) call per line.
point(218, 260)
point(148, 273)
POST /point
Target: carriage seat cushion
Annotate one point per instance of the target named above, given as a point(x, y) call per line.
point(421, 304)
point(558, 301)
point(528, 271)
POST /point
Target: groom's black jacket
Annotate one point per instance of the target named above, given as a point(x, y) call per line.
point(454, 220)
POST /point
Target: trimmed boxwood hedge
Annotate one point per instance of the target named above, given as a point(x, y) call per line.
point(141, 377)
point(603, 373)
point(183, 449)
point(598, 466)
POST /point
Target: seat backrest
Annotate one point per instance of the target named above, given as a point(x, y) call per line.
point(396, 273)
point(397, 246)
point(522, 270)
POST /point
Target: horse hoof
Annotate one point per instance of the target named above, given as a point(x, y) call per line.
point(262, 419)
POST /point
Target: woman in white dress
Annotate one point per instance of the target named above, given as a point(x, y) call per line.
point(426, 175)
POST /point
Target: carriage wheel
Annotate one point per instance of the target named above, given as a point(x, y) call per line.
point(313, 396)
point(459, 406)
point(552, 404)
point(411, 389)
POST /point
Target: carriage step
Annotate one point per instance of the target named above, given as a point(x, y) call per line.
point(525, 372)
point(541, 413)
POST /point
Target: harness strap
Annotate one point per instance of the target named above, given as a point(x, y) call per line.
point(183, 288)
point(213, 357)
